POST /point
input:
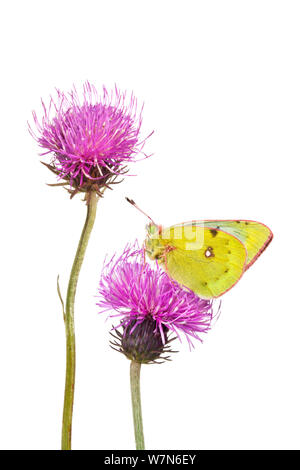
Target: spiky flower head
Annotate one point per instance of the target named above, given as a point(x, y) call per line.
point(150, 306)
point(91, 137)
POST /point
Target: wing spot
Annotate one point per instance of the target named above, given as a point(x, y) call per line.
point(214, 232)
point(204, 283)
point(209, 252)
point(229, 252)
point(226, 271)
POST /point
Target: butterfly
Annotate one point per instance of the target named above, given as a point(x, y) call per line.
point(209, 257)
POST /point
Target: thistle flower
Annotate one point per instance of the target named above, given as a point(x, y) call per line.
point(150, 306)
point(92, 138)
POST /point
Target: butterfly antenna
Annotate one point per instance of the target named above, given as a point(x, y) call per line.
point(131, 201)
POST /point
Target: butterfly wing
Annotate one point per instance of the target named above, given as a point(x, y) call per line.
point(254, 235)
point(205, 262)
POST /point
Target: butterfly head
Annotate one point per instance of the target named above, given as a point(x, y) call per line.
point(153, 230)
point(153, 244)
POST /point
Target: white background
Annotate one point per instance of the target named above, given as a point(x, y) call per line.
point(220, 82)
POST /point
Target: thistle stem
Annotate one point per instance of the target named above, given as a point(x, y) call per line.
point(92, 200)
point(135, 369)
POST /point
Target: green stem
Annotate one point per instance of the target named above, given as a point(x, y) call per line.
point(135, 369)
point(92, 200)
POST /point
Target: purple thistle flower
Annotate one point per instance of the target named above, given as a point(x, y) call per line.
point(92, 138)
point(149, 305)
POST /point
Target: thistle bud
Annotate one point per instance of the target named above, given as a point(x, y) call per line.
point(141, 342)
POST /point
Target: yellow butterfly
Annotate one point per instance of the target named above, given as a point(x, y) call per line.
point(209, 257)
